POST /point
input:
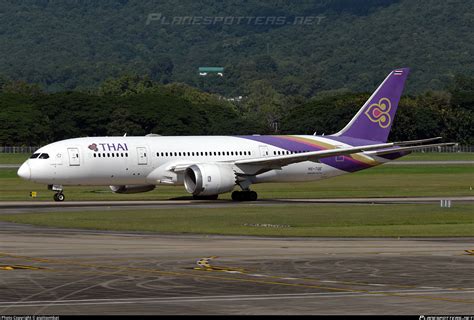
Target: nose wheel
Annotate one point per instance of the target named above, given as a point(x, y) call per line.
point(244, 196)
point(59, 196)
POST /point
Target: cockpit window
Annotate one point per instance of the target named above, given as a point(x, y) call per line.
point(44, 156)
point(34, 155)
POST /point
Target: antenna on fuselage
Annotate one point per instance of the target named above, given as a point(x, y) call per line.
point(125, 134)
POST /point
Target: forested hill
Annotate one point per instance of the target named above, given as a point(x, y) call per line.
point(65, 45)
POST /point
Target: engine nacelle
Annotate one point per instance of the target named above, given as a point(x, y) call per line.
point(209, 179)
point(132, 189)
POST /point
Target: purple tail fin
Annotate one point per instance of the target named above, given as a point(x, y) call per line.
point(375, 118)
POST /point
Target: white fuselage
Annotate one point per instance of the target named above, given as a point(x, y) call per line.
point(151, 160)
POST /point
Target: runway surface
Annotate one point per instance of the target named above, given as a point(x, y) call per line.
point(48, 206)
point(58, 271)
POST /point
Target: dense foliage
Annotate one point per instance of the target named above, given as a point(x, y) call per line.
point(70, 45)
point(110, 67)
point(137, 106)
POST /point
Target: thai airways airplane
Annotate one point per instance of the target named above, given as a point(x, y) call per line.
point(211, 165)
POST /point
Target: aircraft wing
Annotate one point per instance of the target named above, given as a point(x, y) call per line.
point(392, 150)
point(260, 165)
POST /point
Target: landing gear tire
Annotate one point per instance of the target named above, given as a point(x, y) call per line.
point(236, 195)
point(253, 196)
point(59, 197)
point(212, 197)
point(244, 196)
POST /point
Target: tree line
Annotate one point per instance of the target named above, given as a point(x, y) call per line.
point(138, 105)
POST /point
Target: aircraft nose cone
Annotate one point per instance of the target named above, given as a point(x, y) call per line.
point(24, 171)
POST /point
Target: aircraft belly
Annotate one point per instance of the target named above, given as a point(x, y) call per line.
point(304, 171)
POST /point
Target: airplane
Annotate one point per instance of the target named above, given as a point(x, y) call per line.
point(211, 165)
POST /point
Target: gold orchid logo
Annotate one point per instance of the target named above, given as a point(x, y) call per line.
point(379, 112)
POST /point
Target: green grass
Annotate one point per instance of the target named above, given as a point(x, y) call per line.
point(421, 220)
point(13, 158)
point(439, 156)
point(382, 181)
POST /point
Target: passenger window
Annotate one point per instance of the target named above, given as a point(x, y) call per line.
point(113, 156)
point(95, 155)
point(126, 155)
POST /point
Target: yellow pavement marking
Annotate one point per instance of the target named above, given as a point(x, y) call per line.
point(19, 267)
point(204, 264)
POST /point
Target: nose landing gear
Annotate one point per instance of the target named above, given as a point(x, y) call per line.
point(59, 195)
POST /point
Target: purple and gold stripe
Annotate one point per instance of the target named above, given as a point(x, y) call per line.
point(350, 163)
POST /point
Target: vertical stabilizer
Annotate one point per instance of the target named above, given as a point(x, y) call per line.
point(375, 118)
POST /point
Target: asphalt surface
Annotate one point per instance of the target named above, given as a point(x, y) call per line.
point(8, 207)
point(56, 271)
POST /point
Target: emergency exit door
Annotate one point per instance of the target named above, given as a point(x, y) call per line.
point(142, 156)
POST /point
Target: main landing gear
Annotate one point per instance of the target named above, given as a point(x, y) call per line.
point(245, 195)
point(59, 195)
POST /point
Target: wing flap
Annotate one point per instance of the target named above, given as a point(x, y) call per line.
point(393, 150)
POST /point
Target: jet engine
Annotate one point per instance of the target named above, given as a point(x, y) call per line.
point(132, 188)
point(208, 179)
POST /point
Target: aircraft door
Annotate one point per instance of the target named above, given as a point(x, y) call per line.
point(73, 156)
point(264, 151)
point(142, 156)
